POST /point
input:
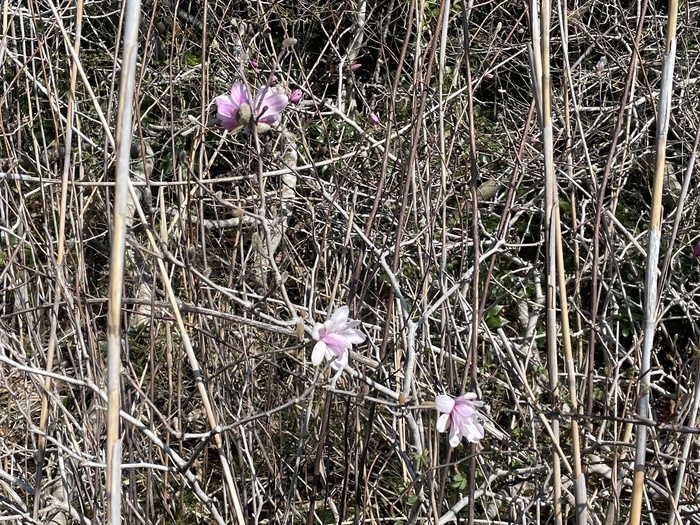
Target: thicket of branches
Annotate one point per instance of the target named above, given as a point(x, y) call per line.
point(429, 225)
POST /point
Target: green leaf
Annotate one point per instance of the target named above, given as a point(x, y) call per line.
point(496, 322)
point(493, 319)
point(459, 481)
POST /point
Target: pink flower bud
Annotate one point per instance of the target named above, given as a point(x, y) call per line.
point(488, 76)
point(273, 79)
point(600, 65)
point(296, 96)
point(355, 66)
point(253, 64)
point(374, 119)
point(696, 251)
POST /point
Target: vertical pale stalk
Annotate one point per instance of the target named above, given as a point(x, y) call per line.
point(116, 271)
point(651, 276)
point(550, 210)
point(60, 255)
point(580, 492)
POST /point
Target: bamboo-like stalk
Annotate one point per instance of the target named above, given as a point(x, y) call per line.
point(116, 272)
point(550, 204)
point(60, 255)
point(651, 274)
point(580, 491)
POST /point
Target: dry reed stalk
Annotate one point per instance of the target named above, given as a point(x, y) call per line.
point(653, 248)
point(580, 491)
point(132, 15)
point(543, 77)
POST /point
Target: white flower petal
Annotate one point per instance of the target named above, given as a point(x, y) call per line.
point(340, 316)
point(329, 326)
point(444, 403)
point(318, 353)
point(475, 433)
point(443, 422)
point(316, 332)
point(355, 337)
point(455, 436)
point(340, 361)
point(468, 396)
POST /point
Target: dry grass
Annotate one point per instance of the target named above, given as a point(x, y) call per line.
point(261, 239)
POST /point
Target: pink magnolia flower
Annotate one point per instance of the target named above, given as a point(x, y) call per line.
point(238, 110)
point(296, 96)
point(374, 119)
point(696, 251)
point(253, 64)
point(460, 415)
point(335, 338)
